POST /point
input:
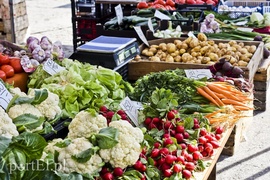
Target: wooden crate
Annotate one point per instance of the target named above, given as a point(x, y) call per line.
point(143, 67)
point(261, 85)
point(238, 134)
point(13, 21)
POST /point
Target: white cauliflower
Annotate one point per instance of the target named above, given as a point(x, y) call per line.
point(84, 125)
point(17, 91)
point(20, 109)
point(49, 108)
point(7, 128)
point(128, 149)
point(68, 164)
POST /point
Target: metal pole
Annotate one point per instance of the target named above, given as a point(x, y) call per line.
point(13, 36)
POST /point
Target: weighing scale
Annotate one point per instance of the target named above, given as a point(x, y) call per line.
point(107, 51)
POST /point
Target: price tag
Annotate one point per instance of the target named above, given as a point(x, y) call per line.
point(138, 30)
point(138, 105)
point(190, 34)
point(130, 109)
point(150, 25)
point(198, 73)
point(161, 16)
point(119, 13)
point(5, 96)
point(52, 67)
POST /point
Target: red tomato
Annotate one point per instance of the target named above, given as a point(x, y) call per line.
point(3, 75)
point(210, 2)
point(161, 2)
point(3, 59)
point(170, 3)
point(8, 69)
point(190, 1)
point(15, 62)
point(199, 2)
point(142, 5)
point(180, 1)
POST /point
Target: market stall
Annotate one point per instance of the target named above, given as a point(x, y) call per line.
point(125, 108)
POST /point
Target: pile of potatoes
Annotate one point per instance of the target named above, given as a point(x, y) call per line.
point(200, 50)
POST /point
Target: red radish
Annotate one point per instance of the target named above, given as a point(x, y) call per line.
point(120, 112)
point(154, 153)
point(203, 132)
point(164, 151)
point(208, 147)
point(196, 126)
point(180, 129)
point(157, 144)
point(202, 140)
point(138, 165)
point(180, 159)
point(168, 125)
point(186, 135)
point(219, 130)
point(110, 114)
point(170, 159)
point(170, 115)
point(108, 176)
point(188, 157)
point(208, 137)
point(118, 171)
point(200, 148)
point(197, 155)
point(103, 109)
point(179, 137)
point(156, 120)
point(192, 148)
point(161, 161)
point(177, 168)
point(214, 144)
point(196, 121)
point(166, 135)
point(167, 173)
point(165, 166)
point(104, 170)
point(183, 145)
point(123, 116)
point(147, 121)
point(167, 141)
point(186, 174)
point(190, 166)
point(218, 136)
point(143, 168)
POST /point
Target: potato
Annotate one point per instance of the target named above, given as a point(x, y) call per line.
point(144, 51)
point(182, 51)
point(187, 41)
point(243, 51)
point(232, 42)
point(193, 43)
point(252, 49)
point(213, 57)
point(244, 57)
point(249, 55)
point(186, 57)
point(204, 49)
point(203, 43)
point(205, 60)
point(241, 44)
point(154, 46)
point(153, 49)
point(198, 61)
point(211, 42)
point(202, 37)
point(210, 63)
point(163, 46)
point(196, 49)
point(184, 46)
point(221, 45)
point(177, 58)
point(169, 58)
point(242, 63)
point(194, 54)
point(233, 60)
point(154, 58)
point(171, 48)
point(177, 41)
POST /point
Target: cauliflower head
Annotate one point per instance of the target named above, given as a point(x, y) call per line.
point(17, 91)
point(20, 109)
point(128, 149)
point(69, 165)
point(49, 108)
point(7, 127)
point(84, 125)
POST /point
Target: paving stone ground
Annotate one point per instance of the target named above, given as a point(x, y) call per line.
point(252, 159)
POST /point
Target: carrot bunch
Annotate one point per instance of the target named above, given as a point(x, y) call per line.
point(223, 93)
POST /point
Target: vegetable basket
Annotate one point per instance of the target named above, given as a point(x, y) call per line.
point(203, 7)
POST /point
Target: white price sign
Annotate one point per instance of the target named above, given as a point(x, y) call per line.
point(52, 67)
point(198, 73)
point(119, 13)
point(130, 109)
point(138, 30)
point(161, 16)
point(5, 96)
point(150, 25)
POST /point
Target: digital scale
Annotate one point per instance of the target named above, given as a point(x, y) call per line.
point(107, 51)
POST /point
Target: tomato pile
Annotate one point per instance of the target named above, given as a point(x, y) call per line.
point(197, 2)
point(9, 66)
point(157, 4)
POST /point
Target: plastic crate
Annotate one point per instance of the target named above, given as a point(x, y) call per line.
point(202, 7)
point(264, 5)
point(86, 28)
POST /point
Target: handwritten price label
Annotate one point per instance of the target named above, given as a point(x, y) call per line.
point(138, 30)
point(52, 67)
point(119, 13)
point(5, 96)
point(130, 109)
point(198, 73)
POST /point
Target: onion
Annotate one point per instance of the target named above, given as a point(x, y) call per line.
point(227, 66)
point(31, 39)
point(237, 71)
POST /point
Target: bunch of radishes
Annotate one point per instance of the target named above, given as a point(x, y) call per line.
point(176, 154)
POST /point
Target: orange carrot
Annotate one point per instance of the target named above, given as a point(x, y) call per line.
point(219, 95)
point(211, 93)
point(233, 102)
point(242, 108)
point(221, 91)
point(213, 113)
point(207, 96)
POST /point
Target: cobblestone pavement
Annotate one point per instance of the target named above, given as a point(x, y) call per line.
point(252, 158)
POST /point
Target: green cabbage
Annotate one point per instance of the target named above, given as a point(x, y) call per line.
point(256, 18)
point(266, 19)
